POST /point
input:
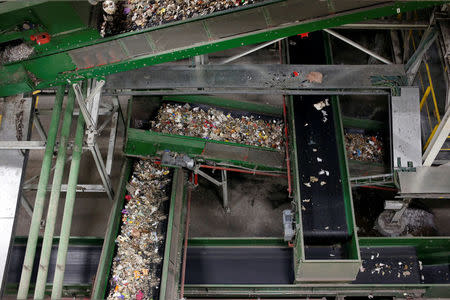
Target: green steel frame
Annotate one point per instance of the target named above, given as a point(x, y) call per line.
point(53, 64)
point(105, 263)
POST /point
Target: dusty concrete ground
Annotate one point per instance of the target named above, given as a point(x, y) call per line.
point(256, 205)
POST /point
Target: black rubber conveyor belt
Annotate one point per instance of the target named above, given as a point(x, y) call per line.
point(230, 265)
point(81, 265)
point(323, 212)
point(396, 265)
point(250, 265)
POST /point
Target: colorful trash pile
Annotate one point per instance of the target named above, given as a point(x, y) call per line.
point(364, 147)
point(214, 124)
point(125, 16)
point(136, 269)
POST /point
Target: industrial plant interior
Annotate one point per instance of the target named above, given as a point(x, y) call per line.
point(225, 149)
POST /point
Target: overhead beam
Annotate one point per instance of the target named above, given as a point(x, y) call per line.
point(413, 64)
point(358, 46)
point(252, 77)
point(439, 138)
point(386, 25)
point(24, 145)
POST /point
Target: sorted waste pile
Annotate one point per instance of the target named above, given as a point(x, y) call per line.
point(364, 147)
point(136, 269)
point(215, 125)
point(125, 16)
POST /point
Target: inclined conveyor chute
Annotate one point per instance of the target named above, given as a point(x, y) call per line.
point(143, 142)
point(326, 247)
point(76, 50)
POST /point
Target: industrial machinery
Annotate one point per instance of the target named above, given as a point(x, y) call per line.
point(186, 213)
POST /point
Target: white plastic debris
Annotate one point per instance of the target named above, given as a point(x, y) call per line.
point(320, 105)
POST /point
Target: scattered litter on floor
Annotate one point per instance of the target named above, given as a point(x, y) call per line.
point(364, 147)
point(214, 124)
point(131, 15)
point(136, 269)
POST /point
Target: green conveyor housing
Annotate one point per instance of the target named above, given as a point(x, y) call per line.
point(76, 50)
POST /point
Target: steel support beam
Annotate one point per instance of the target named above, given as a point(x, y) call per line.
point(102, 171)
point(81, 188)
point(225, 190)
point(413, 64)
point(90, 108)
point(24, 145)
point(41, 280)
point(112, 142)
point(386, 25)
point(40, 198)
point(39, 128)
point(237, 56)
point(223, 184)
point(439, 138)
point(101, 112)
point(264, 78)
point(26, 205)
point(68, 211)
point(358, 46)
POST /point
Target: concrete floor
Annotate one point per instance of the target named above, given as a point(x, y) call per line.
point(256, 205)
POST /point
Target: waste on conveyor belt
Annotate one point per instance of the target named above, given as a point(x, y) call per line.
point(136, 269)
point(216, 125)
point(125, 16)
point(364, 147)
point(13, 53)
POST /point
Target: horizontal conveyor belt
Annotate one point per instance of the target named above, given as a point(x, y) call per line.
point(389, 265)
point(265, 265)
point(248, 265)
point(81, 265)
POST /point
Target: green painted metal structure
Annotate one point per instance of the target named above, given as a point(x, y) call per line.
point(41, 193)
point(76, 50)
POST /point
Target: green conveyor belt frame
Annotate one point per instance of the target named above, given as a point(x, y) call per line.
point(76, 51)
point(146, 143)
point(336, 269)
point(173, 241)
point(430, 250)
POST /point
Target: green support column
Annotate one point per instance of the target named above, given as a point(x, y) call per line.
point(40, 197)
point(68, 210)
point(41, 280)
